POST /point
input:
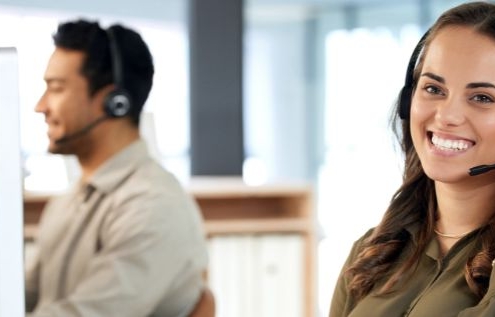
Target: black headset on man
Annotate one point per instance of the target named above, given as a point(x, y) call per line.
point(405, 96)
point(118, 102)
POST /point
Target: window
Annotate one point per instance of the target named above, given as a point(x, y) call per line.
point(361, 170)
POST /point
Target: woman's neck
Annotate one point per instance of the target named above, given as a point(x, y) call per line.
point(461, 211)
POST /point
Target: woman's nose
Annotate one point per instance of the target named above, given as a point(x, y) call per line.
point(450, 112)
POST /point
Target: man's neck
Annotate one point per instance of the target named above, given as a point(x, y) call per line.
point(104, 149)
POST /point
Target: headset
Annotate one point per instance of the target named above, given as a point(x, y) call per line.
point(406, 92)
point(118, 102)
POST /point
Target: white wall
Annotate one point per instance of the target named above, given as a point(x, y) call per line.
point(11, 218)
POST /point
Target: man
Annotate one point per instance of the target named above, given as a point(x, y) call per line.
point(126, 240)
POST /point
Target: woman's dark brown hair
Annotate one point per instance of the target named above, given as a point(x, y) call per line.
point(414, 204)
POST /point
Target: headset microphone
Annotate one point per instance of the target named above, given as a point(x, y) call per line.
point(80, 133)
point(480, 169)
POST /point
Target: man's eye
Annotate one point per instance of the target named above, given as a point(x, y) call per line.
point(55, 88)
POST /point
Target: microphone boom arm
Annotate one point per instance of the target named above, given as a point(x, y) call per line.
point(480, 169)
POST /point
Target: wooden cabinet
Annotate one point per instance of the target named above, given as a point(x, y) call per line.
point(230, 207)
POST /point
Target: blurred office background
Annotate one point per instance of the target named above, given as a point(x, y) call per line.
point(319, 78)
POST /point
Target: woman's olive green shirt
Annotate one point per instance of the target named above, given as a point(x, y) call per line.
point(437, 288)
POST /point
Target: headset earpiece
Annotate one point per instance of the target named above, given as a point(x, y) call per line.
point(405, 96)
point(406, 92)
point(118, 101)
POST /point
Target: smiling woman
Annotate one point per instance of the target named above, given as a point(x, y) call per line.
point(453, 109)
point(432, 252)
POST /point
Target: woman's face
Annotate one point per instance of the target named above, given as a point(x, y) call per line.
point(453, 106)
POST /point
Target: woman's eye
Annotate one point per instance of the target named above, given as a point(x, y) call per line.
point(482, 99)
point(434, 90)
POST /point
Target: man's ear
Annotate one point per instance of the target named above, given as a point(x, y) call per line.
point(98, 99)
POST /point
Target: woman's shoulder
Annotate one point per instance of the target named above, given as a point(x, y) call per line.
point(358, 244)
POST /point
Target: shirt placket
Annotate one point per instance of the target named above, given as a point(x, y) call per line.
point(87, 202)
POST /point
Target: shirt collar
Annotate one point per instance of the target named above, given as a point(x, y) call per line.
point(108, 176)
point(433, 249)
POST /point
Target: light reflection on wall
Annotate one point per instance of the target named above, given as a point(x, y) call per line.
point(365, 71)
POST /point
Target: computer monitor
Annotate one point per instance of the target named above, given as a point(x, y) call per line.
point(11, 206)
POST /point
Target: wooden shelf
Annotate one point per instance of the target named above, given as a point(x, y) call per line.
point(219, 227)
point(228, 206)
point(30, 231)
point(239, 226)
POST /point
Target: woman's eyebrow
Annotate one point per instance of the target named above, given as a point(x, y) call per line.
point(469, 86)
point(480, 85)
point(434, 77)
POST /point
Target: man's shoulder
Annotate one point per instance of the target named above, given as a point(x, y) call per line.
point(153, 184)
point(153, 177)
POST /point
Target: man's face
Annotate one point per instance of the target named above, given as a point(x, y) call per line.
point(66, 103)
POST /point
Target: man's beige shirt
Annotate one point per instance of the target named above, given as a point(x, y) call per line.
point(128, 243)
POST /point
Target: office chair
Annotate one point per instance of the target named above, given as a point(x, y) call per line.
point(205, 306)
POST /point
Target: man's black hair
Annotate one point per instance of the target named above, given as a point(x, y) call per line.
point(137, 62)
